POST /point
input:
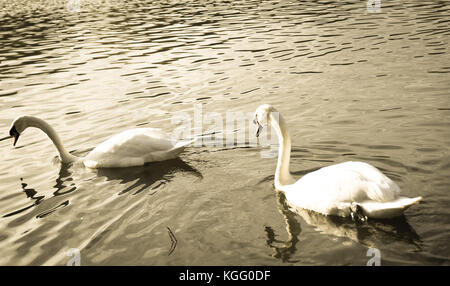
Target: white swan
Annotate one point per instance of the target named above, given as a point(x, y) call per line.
point(340, 189)
point(133, 147)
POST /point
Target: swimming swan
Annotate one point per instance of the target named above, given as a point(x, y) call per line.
point(342, 189)
point(133, 147)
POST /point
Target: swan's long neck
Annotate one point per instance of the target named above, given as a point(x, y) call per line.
point(282, 174)
point(65, 156)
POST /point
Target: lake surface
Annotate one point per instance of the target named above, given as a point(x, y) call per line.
point(352, 84)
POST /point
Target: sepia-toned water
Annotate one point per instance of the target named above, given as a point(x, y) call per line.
point(351, 82)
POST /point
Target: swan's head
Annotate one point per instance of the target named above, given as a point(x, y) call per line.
point(262, 117)
point(17, 127)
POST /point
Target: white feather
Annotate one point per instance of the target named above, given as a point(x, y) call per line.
point(335, 189)
point(133, 147)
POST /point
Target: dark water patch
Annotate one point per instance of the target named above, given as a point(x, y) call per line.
point(153, 96)
point(72, 112)
point(341, 64)
point(203, 98)
point(307, 72)
point(8, 93)
point(390, 109)
point(251, 90)
point(48, 212)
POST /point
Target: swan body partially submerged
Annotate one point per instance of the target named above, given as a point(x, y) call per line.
point(133, 147)
point(340, 189)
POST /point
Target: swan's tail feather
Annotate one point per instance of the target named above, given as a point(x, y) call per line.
point(179, 147)
point(168, 154)
point(388, 209)
point(184, 143)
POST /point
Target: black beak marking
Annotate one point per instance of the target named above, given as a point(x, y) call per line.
point(255, 121)
point(13, 133)
point(259, 129)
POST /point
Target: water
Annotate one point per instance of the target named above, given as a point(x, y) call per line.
point(352, 85)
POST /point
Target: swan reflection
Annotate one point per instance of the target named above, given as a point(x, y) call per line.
point(150, 176)
point(153, 175)
point(371, 233)
point(40, 204)
point(284, 249)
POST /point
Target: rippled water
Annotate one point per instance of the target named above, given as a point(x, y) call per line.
point(352, 85)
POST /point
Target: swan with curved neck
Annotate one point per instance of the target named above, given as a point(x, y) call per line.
point(133, 147)
point(341, 189)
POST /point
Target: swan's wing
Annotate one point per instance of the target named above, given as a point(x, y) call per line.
point(337, 186)
point(138, 145)
point(136, 142)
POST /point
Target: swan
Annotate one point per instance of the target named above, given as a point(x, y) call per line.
point(342, 189)
point(133, 147)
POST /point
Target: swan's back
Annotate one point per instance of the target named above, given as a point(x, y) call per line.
point(135, 142)
point(332, 189)
point(133, 147)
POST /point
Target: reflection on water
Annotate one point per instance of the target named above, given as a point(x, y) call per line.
point(151, 176)
point(352, 85)
point(30, 193)
point(293, 229)
point(371, 234)
point(64, 185)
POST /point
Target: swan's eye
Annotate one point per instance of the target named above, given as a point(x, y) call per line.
point(13, 131)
